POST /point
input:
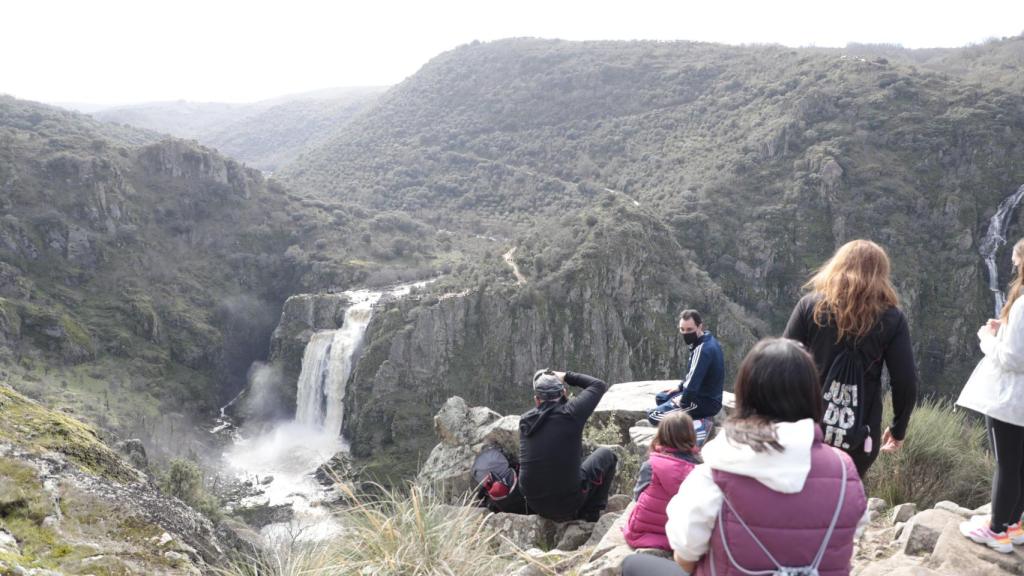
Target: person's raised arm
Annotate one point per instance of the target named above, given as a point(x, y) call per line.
point(582, 406)
point(796, 328)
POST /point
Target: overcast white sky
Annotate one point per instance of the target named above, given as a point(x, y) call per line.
point(119, 51)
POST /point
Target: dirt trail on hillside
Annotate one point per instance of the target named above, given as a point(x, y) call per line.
point(508, 256)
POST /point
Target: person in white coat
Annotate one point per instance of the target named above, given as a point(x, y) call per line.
point(996, 389)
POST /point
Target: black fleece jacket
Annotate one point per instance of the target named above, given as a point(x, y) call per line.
point(551, 440)
point(888, 343)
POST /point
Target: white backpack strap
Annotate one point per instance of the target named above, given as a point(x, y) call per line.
point(835, 515)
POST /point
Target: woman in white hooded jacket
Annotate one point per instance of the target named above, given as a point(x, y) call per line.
point(996, 389)
point(770, 493)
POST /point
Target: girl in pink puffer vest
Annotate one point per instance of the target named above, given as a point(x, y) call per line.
point(673, 455)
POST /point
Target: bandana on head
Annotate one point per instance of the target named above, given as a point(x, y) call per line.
point(546, 385)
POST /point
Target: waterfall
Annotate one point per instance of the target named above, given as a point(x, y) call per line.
point(994, 238)
point(279, 463)
point(327, 364)
point(309, 404)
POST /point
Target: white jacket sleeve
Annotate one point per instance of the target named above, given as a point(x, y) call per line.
point(692, 513)
point(1007, 349)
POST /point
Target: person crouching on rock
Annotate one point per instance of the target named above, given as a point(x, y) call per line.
point(770, 496)
point(553, 480)
point(673, 455)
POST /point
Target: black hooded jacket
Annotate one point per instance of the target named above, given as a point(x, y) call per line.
point(551, 440)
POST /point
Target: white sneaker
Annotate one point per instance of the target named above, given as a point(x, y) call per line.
point(982, 534)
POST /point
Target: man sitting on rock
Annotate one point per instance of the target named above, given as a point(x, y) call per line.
point(556, 485)
point(700, 392)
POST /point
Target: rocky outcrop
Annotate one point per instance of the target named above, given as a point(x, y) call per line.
point(182, 160)
point(143, 532)
point(928, 543)
point(50, 330)
point(463, 432)
point(72, 504)
point(301, 315)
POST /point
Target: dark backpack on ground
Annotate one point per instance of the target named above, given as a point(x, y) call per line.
point(843, 421)
point(497, 482)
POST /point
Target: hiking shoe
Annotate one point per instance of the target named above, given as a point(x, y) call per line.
point(982, 534)
point(1016, 533)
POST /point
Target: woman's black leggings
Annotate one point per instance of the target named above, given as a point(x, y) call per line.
point(1008, 481)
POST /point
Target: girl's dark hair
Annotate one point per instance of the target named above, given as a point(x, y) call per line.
point(778, 382)
point(675, 432)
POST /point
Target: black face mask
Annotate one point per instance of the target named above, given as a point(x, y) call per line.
point(690, 338)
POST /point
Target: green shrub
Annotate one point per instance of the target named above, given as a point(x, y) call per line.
point(184, 480)
point(628, 468)
point(388, 533)
point(945, 457)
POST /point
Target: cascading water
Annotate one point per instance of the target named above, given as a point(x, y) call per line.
point(283, 460)
point(327, 364)
point(995, 237)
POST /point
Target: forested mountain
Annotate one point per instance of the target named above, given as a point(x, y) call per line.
point(759, 160)
point(265, 134)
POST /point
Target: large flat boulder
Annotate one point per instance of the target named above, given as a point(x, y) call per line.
point(627, 402)
point(954, 554)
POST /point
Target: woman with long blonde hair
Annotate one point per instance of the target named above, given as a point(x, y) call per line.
point(996, 389)
point(851, 316)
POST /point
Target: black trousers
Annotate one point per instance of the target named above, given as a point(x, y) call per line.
point(647, 565)
point(596, 476)
point(1008, 480)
